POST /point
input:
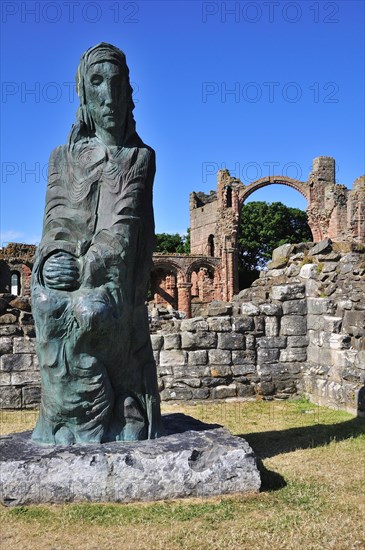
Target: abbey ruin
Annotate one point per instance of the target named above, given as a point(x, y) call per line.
point(299, 329)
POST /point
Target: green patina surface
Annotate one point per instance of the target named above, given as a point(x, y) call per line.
point(92, 269)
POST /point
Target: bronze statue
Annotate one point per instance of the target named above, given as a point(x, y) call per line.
point(92, 269)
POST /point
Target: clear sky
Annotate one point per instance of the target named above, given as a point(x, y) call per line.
point(260, 87)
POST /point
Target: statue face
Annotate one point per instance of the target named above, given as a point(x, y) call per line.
point(106, 96)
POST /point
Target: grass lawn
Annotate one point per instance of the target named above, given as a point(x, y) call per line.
point(312, 462)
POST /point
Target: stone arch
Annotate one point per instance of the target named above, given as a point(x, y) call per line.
point(201, 262)
point(300, 186)
point(204, 279)
point(163, 283)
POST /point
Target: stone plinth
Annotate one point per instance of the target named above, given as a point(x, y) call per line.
point(192, 459)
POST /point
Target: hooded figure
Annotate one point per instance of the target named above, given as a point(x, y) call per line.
point(92, 269)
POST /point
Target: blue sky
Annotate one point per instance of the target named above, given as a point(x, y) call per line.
point(257, 87)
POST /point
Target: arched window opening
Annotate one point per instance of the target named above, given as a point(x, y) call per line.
point(15, 287)
point(5, 277)
point(164, 287)
point(202, 280)
point(228, 193)
point(211, 246)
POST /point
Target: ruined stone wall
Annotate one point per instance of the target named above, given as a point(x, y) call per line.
point(299, 329)
point(203, 217)
point(19, 372)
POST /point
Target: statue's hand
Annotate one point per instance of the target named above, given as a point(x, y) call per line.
point(61, 272)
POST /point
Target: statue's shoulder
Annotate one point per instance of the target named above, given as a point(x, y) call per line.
point(146, 155)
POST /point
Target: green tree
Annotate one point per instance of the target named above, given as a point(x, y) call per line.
point(173, 243)
point(264, 227)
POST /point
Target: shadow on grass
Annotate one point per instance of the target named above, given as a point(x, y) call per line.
point(268, 444)
point(270, 480)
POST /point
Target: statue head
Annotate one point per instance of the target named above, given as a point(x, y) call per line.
point(106, 104)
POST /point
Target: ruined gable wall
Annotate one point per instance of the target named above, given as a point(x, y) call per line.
point(202, 224)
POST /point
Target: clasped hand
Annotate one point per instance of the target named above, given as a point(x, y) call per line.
point(61, 272)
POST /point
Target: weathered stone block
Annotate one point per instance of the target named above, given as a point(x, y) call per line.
point(271, 309)
point(194, 324)
point(234, 340)
point(10, 397)
point(293, 325)
point(320, 247)
point(332, 324)
point(314, 322)
point(285, 387)
point(173, 358)
point(31, 395)
point(222, 392)
point(250, 341)
point(189, 371)
point(282, 251)
point(172, 341)
point(309, 271)
point(199, 357)
point(21, 378)
point(219, 357)
point(354, 323)
point(259, 324)
point(24, 345)
point(266, 388)
point(216, 308)
point(352, 374)
point(180, 394)
point(248, 308)
point(293, 354)
point(267, 355)
point(245, 390)
point(220, 370)
point(335, 341)
point(272, 326)
point(272, 342)
point(243, 324)
point(219, 324)
point(200, 393)
point(298, 307)
point(18, 362)
point(243, 369)
point(329, 267)
point(6, 345)
point(320, 306)
point(192, 382)
point(10, 330)
point(192, 460)
point(297, 341)
point(199, 340)
point(277, 263)
point(156, 341)
point(8, 319)
point(241, 357)
point(288, 292)
point(164, 370)
point(212, 381)
point(5, 379)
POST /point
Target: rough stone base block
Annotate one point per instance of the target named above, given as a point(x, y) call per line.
point(193, 459)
